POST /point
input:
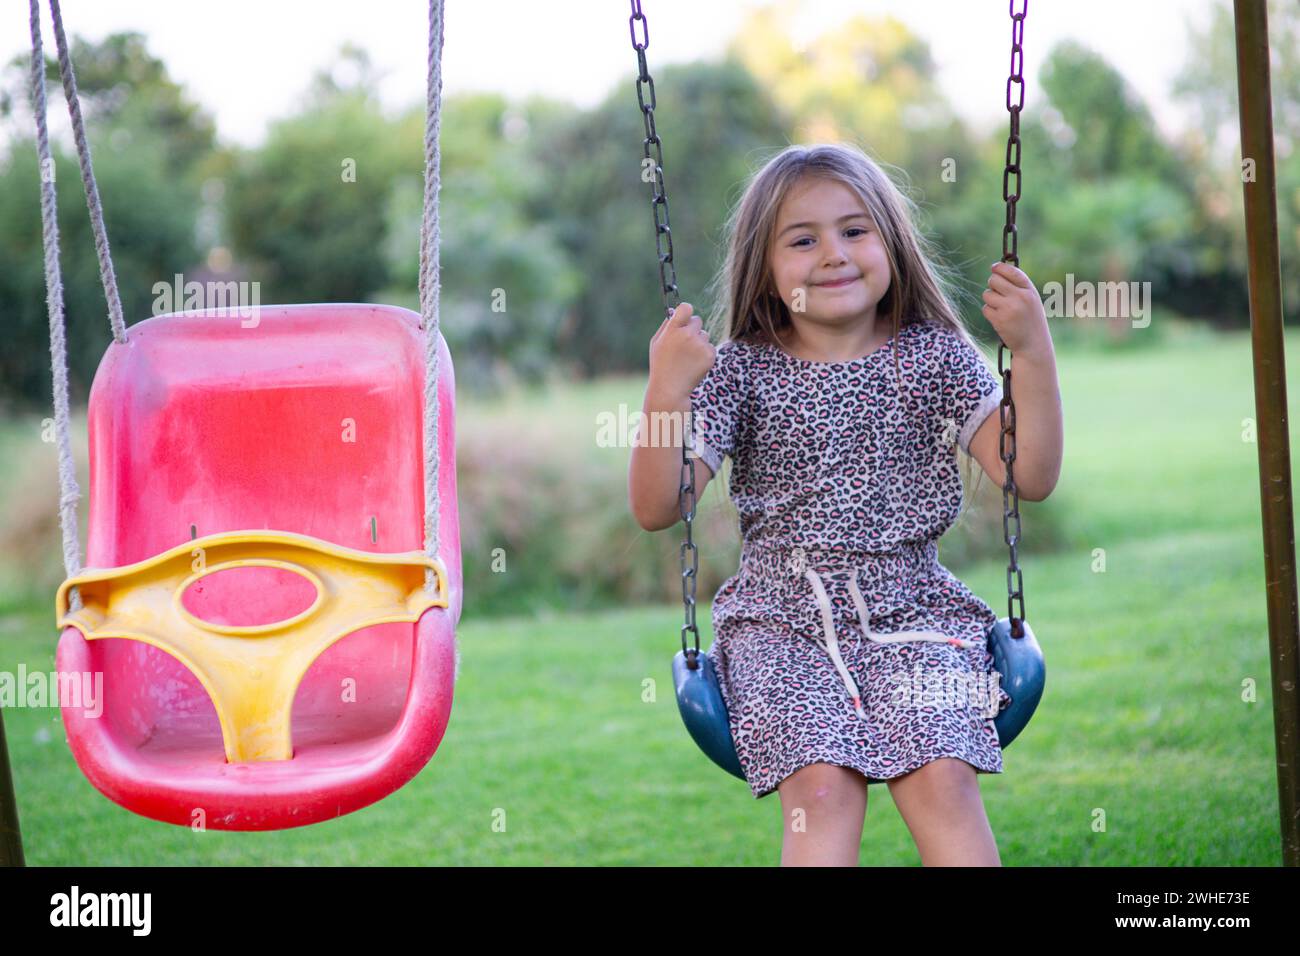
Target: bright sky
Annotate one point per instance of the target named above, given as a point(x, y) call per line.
point(249, 60)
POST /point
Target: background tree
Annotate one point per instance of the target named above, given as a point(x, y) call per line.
point(508, 284)
point(149, 143)
point(305, 211)
point(715, 124)
point(1208, 84)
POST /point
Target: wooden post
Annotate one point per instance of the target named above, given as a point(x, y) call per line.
point(1260, 187)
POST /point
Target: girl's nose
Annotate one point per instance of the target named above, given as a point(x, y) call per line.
point(835, 255)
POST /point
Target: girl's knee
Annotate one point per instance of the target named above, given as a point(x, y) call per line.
point(824, 782)
point(943, 777)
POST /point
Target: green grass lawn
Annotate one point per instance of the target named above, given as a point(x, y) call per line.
point(1142, 751)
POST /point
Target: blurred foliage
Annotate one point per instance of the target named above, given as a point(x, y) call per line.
point(547, 249)
point(1208, 84)
point(305, 210)
point(122, 86)
point(148, 143)
point(712, 119)
point(507, 284)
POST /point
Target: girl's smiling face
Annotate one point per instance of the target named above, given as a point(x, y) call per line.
point(824, 234)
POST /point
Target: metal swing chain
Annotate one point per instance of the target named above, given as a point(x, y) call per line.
point(645, 95)
point(1010, 253)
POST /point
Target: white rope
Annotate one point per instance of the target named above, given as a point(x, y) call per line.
point(106, 274)
point(69, 493)
point(429, 283)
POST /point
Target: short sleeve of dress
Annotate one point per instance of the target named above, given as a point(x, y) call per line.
point(716, 407)
point(972, 390)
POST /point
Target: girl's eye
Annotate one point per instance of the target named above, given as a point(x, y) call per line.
point(852, 229)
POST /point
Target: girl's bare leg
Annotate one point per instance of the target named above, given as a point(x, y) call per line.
point(940, 803)
point(823, 807)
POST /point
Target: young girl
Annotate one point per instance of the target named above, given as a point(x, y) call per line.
point(841, 389)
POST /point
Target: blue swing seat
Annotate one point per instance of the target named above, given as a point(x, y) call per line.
point(1018, 661)
point(699, 698)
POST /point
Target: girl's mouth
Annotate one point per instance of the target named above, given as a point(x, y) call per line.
point(837, 285)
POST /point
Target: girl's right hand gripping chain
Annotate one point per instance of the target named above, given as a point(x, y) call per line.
point(680, 354)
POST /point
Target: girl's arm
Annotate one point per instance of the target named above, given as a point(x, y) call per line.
point(1039, 428)
point(680, 357)
point(655, 473)
point(1014, 309)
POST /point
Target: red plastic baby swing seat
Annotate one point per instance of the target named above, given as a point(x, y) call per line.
point(199, 421)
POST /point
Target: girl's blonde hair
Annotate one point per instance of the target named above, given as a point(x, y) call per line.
point(746, 303)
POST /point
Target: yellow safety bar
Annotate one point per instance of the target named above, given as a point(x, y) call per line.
point(252, 672)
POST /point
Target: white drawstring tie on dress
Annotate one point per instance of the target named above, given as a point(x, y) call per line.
point(799, 565)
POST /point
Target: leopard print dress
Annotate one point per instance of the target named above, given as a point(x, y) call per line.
point(841, 638)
